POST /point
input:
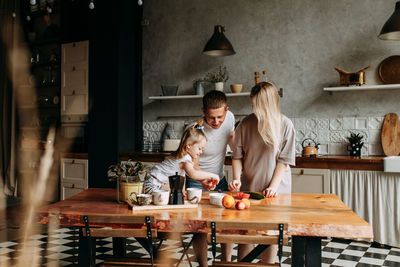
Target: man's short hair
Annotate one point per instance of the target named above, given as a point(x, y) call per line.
point(214, 99)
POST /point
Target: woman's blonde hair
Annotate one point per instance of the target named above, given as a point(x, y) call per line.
point(265, 100)
point(192, 135)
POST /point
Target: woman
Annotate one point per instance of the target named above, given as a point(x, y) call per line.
point(264, 147)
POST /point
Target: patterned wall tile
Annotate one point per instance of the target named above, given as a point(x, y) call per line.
point(299, 123)
point(361, 123)
point(323, 149)
point(335, 124)
point(311, 134)
point(311, 124)
point(337, 149)
point(375, 122)
point(375, 150)
point(300, 135)
point(299, 148)
point(374, 136)
point(336, 137)
point(323, 124)
point(323, 136)
point(349, 123)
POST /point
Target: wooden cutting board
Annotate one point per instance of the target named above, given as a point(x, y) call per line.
point(391, 135)
point(187, 205)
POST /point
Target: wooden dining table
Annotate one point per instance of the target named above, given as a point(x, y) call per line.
point(310, 217)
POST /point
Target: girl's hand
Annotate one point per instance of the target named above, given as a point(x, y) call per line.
point(235, 185)
point(270, 192)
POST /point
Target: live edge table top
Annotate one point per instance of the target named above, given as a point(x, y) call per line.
point(318, 215)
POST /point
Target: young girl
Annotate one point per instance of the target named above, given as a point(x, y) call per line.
point(191, 146)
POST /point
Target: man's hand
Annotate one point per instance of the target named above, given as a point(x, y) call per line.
point(235, 185)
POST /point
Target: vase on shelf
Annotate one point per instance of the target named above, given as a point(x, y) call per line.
point(219, 86)
point(355, 149)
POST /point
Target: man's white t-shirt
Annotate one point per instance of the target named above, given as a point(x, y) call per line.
point(213, 157)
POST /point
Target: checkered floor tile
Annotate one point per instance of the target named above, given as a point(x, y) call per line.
point(61, 249)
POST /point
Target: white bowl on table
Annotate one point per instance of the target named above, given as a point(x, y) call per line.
point(216, 198)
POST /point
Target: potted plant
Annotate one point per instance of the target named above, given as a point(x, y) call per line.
point(356, 144)
point(218, 78)
point(130, 176)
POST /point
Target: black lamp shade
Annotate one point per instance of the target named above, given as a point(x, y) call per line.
point(391, 29)
point(218, 45)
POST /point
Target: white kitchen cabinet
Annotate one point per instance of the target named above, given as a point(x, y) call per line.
point(74, 176)
point(306, 180)
point(74, 82)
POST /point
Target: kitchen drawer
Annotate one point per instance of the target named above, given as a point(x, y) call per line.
point(74, 171)
point(306, 180)
point(69, 190)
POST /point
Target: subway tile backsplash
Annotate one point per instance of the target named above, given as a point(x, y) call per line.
point(331, 133)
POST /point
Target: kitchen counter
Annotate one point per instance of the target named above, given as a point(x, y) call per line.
point(321, 162)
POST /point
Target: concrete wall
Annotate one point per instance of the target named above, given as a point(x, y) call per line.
point(298, 41)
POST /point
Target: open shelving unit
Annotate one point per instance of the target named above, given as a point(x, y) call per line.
point(362, 88)
point(194, 96)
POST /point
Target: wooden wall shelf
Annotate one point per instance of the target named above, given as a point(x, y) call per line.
point(194, 96)
point(363, 88)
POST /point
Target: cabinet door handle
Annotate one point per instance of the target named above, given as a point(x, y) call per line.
point(73, 92)
point(301, 172)
point(73, 68)
point(73, 185)
point(73, 44)
point(73, 161)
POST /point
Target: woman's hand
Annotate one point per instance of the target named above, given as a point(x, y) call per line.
point(270, 192)
point(235, 185)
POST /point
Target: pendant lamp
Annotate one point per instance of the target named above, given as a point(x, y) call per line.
point(391, 29)
point(218, 45)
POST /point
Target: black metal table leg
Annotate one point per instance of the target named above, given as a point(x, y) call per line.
point(306, 251)
point(313, 251)
point(87, 250)
point(119, 246)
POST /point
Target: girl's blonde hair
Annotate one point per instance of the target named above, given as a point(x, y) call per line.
point(193, 134)
point(265, 100)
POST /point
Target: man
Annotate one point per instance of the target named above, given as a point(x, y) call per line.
point(219, 128)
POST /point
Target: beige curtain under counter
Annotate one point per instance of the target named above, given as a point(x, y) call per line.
point(374, 196)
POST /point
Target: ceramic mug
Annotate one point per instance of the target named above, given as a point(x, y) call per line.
point(194, 195)
point(160, 197)
point(140, 199)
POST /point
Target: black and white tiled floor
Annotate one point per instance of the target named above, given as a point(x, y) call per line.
point(60, 249)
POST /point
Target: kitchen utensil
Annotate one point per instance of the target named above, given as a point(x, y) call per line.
point(236, 88)
point(310, 149)
point(169, 90)
point(187, 205)
point(389, 70)
point(391, 135)
point(176, 183)
point(352, 78)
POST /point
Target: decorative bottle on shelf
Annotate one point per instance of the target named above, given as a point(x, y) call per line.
point(264, 76)
point(256, 77)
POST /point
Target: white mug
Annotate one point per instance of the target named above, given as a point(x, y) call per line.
point(160, 197)
point(194, 195)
